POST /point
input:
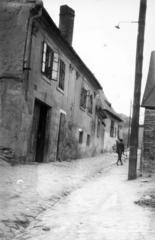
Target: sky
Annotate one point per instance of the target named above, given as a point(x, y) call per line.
point(108, 52)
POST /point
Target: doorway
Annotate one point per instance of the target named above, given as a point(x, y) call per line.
point(39, 130)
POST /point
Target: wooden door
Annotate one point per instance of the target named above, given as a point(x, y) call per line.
point(36, 116)
point(61, 136)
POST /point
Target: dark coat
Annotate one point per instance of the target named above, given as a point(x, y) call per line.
point(119, 147)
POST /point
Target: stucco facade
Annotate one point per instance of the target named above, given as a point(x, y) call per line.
point(42, 118)
point(112, 123)
point(110, 139)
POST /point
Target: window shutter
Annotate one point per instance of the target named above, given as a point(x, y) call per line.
point(44, 57)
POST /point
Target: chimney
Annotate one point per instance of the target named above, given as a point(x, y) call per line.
point(66, 23)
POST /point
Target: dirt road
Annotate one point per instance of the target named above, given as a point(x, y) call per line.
point(102, 209)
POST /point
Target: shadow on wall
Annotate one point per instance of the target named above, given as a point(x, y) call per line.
point(68, 149)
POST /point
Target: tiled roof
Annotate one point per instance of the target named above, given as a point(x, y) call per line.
point(149, 93)
point(106, 106)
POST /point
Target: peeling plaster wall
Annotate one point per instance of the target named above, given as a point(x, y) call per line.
point(12, 44)
point(13, 20)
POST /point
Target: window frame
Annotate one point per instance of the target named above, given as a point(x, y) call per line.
point(83, 98)
point(49, 62)
point(90, 104)
point(62, 74)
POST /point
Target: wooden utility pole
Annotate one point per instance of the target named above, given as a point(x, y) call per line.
point(132, 173)
point(129, 125)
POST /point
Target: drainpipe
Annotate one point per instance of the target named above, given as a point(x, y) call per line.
point(35, 13)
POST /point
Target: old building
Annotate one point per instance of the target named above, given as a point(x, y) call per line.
point(112, 122)
point(148, 103)
point(47, 93)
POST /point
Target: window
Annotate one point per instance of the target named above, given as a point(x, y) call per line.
point(80, 136)
point(77, 75)
point(55, 67)
point(88, 140)
point(83, 98)
point(115, 132)
point(49, 62)
point(62, 75)
point(98, 127)
point(112, 129)
point(90, 104)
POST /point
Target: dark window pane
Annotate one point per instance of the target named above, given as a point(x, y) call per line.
point(112, 129)
point(83, 98)
point(98, 128)
point(47, 61)
point(90, 104)
point(62, 75)
point(80, 136)
point(88, 140)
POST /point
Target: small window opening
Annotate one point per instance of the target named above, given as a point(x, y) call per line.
point(88, 139)
point(80, 136)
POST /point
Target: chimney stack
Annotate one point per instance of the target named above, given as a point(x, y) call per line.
point(66, 23)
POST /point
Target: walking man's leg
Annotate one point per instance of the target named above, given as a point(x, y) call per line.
point(121, 159)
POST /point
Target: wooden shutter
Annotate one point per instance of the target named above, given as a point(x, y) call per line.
point(44, 47)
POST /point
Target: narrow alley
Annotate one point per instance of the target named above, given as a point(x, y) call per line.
point(102, 209)
point(77, 138)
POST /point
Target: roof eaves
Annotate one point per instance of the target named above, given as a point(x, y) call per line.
point(149, 92)
point(148, 106)
point(101, 112)
point(114, 115)
point(147, 98)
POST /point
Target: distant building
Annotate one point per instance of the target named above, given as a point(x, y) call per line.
point(148, 103)
point(48, 96)
point(112, 122)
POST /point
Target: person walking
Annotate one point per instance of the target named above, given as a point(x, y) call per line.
point(119, 150)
